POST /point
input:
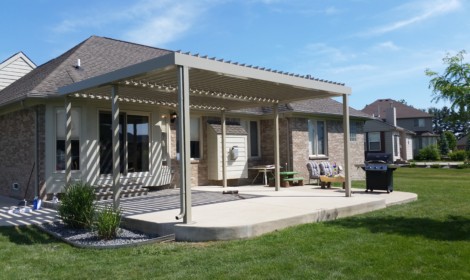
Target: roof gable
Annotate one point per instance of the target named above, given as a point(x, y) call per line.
point(380, 125)
point(13, 68)
point(378, 109)
point(15, 57)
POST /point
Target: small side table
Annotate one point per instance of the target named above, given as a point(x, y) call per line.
point(325, 181)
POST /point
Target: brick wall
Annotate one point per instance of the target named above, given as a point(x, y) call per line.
point(17, 152)
point(300, 149)
point(293, 145)
point(336, 148)
point(198, 167)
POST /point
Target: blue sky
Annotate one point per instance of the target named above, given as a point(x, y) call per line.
point(378, 48)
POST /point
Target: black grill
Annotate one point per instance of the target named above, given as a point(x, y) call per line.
point(379, 169)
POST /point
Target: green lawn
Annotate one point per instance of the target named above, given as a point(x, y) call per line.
point(426, 239)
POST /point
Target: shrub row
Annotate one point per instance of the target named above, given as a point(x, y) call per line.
point(431, 152)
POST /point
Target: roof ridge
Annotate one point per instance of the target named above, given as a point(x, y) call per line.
point(132, 43)
point(55, 63)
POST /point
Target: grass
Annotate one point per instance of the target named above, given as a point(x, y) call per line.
point(426, 239)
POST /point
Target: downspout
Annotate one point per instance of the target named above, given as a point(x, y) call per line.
point(182, 179)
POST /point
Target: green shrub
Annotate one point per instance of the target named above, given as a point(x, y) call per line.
point(412, 165)
point(436, 166)
point(107, 222)
point(77, 207)
point(460, 155)
point(429, 153)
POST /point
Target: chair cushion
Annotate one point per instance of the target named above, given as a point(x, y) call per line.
point(313, 170)
point(325, 168)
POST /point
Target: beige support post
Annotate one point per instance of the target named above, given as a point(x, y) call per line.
point(277, 161)
point(347, 164)
point(184, 142)
point(68, 140)
point(224, 151)
point(116, 144)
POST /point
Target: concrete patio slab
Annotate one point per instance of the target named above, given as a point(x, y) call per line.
point(254, 211)
point(265, 211)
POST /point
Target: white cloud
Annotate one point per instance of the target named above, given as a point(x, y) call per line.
point(331, 11)
point(164, 27)
point(326, 52)
point(352, 69)
point(147, 21)
point(426, 10)
point(388, 45)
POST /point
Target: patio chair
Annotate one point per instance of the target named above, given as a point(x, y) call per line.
point(313, 172)
point(326, 168)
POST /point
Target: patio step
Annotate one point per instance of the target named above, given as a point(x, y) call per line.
point(105, 192)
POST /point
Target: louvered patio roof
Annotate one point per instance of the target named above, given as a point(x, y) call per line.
point(214, 84)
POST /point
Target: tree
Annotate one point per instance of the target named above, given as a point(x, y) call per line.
point(446, 120)
point(443, 145)
point(453, 85)
point(451, 140)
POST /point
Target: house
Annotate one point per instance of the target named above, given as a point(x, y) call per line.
point(64, 120)
point(14, 68)
point(462, 143)
point(384, 136)
point(408, 119)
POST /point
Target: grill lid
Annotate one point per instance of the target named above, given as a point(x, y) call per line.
point(379, 158)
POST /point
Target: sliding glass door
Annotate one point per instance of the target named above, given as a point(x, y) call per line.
point(134, 139)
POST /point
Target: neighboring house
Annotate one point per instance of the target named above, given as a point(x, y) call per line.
point(14, 68)
point(462, 143)
point(384, 136)
point(408, 118)
point(34, 135)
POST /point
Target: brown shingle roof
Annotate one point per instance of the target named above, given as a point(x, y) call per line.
point(98, 55)
point(378, 107)
point(230, 129)
point(322, 106)
point(325, 106)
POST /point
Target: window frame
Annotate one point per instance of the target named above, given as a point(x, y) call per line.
point(353, 131)
point(369, 141)
point(420, 122)
point(125, 114)
point(246, 124)
point(199, 131)
point(75, 140)
point(313, 138)
point(200, 134)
